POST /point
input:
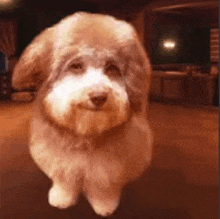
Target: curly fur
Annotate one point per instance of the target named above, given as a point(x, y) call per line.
point(82, 146)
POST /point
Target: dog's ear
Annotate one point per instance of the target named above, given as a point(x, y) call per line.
point(137, 75)
point(33, 66)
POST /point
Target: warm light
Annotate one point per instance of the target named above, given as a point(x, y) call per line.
point(169, 44)
point(5, 2)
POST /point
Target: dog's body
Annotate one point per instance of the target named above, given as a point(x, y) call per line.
point(89, 130)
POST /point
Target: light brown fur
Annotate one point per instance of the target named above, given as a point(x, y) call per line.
point(82, 147)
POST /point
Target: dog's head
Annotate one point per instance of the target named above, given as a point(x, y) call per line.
point(92, 70)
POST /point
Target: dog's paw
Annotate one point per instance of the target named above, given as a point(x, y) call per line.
point(60, 198)
point(104, 207)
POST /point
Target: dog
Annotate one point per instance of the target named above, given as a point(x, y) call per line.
point(89, 130)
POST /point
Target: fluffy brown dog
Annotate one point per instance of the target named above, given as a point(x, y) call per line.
point(89, 130)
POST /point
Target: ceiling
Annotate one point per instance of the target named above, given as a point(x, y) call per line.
point(199, 12)
point(193, 10)
point(70, 6)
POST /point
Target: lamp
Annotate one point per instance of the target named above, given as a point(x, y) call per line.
point(169, 44)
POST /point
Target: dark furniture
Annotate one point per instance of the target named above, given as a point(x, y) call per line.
point(178, 87)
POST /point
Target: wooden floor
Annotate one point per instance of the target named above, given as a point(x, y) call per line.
point(182, 182)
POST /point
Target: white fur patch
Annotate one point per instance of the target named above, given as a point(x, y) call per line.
point(67, 97)
point(104, 207)
point(72, 89)
point(60, 198)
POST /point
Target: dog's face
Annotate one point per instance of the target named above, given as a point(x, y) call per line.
point(94, 70)
point(88, 93)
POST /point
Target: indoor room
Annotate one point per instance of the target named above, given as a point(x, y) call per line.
point(173, 89)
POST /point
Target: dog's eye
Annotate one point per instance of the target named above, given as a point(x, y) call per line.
point(112, 70)
point(76, 66)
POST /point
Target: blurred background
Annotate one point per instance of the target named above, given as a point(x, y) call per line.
point(182, 40)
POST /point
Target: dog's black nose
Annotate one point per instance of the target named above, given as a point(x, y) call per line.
point(98, 98)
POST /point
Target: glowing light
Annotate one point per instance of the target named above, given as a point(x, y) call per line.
point(5, 2)
point(169, 44)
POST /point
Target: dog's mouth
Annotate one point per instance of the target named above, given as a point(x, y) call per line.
point(95, 109)
point(91, 107)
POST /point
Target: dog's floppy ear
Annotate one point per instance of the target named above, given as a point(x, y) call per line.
point(137, 75)
point(33, 66)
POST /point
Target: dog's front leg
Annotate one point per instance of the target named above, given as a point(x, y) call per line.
point(63, 195)
point(103, 201)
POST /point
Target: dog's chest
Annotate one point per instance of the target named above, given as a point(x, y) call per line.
point(79, 162)
point(57, 160)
